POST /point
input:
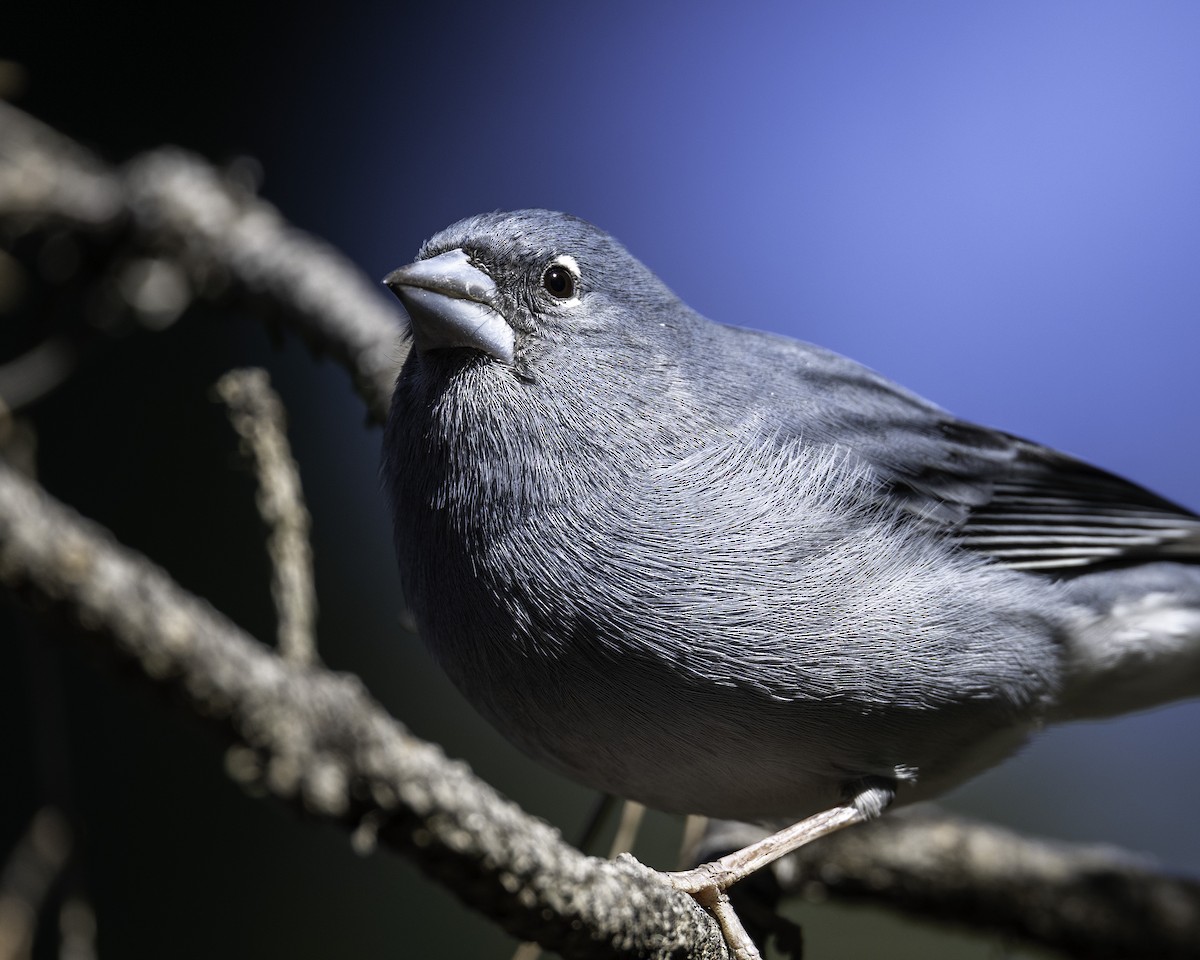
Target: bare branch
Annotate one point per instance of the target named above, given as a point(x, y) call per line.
point(1083, 900)
point(257, 415)
point(180, 208)
point(319, 741)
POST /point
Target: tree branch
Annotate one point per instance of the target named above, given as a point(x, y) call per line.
point(1083, 900)
point(217, 232)
point(258, 417)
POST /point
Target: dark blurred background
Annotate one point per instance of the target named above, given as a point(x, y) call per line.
point(995, 204)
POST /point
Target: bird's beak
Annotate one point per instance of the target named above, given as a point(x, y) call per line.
point(452, 304)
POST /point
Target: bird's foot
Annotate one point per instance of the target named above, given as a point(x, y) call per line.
point(716, 901)
point(708, 882)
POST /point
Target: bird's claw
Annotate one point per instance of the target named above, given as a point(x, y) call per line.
point(715, 900)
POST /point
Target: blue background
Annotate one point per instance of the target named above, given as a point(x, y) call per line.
point(997, 205)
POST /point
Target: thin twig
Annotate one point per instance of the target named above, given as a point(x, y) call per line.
point(35, 373)
point(694, 829)
point(257, 415)
point(31, 868)
point(632, 814)
point(77, 930)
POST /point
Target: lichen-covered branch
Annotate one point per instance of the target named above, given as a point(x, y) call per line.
point(258, 417)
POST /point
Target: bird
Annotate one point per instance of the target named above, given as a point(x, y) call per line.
point(725, 572)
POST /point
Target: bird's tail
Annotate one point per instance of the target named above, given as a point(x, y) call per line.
point(1133, 641)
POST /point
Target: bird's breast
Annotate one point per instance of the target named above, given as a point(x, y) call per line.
point(726, 630)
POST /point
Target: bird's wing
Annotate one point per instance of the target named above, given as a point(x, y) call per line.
point(1047, 511)
point(1025, 505)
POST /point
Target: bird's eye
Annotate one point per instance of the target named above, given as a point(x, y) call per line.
point(559, 282)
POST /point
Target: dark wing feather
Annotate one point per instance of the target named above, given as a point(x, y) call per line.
point(1051, 511)
point(1025, 505)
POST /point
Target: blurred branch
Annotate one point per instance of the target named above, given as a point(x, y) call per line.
point(25, 880)
point(48, 178)
point(632, 814)
point(210, 227)
point(318, 741)
point(257, 415)
point(35, 373)
point(77, 930)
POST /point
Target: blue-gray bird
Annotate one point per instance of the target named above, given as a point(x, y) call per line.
point(729, 573)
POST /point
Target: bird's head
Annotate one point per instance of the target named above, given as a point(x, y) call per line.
point(515, 287)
